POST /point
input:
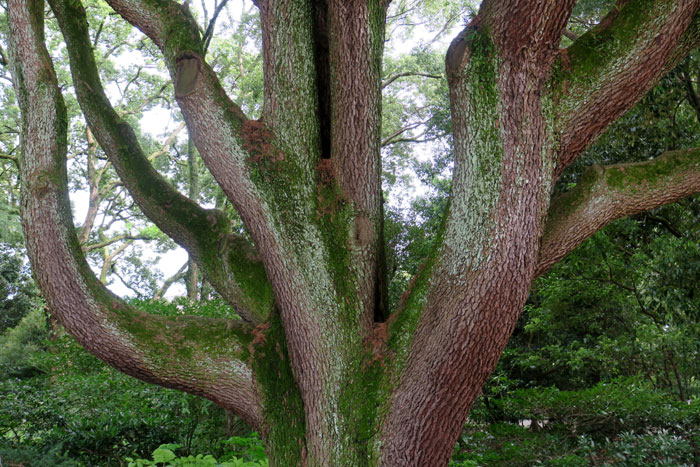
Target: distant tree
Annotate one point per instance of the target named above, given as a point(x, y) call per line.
point(18, 293)
point(318, 363)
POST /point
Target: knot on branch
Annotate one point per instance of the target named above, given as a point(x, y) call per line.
point(458, 49)
point(187, 72)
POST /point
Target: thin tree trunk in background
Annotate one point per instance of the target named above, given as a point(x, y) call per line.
point(192, 277)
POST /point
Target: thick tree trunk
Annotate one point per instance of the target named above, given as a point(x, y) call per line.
point(314, 364)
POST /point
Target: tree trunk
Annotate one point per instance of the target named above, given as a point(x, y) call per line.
point(314, 364)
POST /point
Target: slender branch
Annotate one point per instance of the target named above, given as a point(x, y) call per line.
point(9, 157)
point(691, 94)
point(209, 33)
point(146, 102)
point(571, 35)
point(116, 239)
point(179, 275)
point(400, 131)
point(410, 140)
point(3, 58)
point(156, 349)
point(664, 222)
point(108, 259)
point(409, 73)
point(607, 193)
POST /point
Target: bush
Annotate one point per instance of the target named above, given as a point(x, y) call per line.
point(165, 455)
point(95, 415)
point(603, 410)
point(630, 449)
point(19, 346)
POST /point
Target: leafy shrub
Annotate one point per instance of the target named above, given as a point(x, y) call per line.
point(631, 450)
point(18, 292)
point(603, 410)
point(20, 345)
point(165, 455)
point(96, 415)
point(44, 456)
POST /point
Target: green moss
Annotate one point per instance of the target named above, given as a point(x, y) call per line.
point(250, 275)
point(282, 404)
point(591, 55)
point(335, 217)
point(359, 404)
point(182, 31)
point(567, 202)
point(168, 340)
point(650, 174)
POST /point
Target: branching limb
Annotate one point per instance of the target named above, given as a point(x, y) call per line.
point(607, 193)
point(167, 283)
point(9, 157)
point(608, 69)
point(287, 72)
point(204, 233)
point(228, 143)
point(109, 259)
point(177, 353)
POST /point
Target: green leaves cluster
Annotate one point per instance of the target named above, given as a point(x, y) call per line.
point(166, 456)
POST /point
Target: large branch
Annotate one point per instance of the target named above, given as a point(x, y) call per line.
point(281, 207)
point(608, 69)
point(355, 49)
point(205, 233)
point(165, 351)
point(530, 28)
point(607, 193)
point(286, 72)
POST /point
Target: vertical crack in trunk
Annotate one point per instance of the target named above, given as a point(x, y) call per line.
point(323, 73)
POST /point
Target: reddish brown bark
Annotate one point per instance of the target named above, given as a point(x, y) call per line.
point(609, 193)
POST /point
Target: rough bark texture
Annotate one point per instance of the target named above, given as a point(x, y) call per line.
point(315, 365)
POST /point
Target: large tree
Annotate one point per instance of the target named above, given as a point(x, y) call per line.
point(317, 363)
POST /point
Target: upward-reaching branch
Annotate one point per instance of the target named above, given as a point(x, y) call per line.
point(205, 233)
point(290, 94)
point(602, 74)
point(355, 47)
point(160, 350)
point(223, 135)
